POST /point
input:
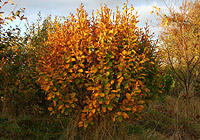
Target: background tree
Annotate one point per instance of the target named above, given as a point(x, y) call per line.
point(19, 91)
point(181, 43)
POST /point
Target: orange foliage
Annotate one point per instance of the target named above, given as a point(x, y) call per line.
point(97, 65)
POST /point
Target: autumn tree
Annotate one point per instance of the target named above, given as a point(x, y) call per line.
point(181, 43)
point(98, 66)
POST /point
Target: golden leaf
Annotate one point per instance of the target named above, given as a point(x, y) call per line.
point(140, 107)
point(93, 111)
point(115, 91)
point(128, 96)
point(119, 113)
point(103, 109)
point(72, 105)
point(90, 88)
point(73, 59)
point(11, 2)
point(112, 96)
point(107, 73)
point(46, 88)
point(80, 70)
point(166, 22)
point(50, 108)
point(128, 109)
point(60, 107)
point(102, 94)
point(121, 79)
point(67, 66)
point(110, 108)
point(125, 115)
point(80, 124)
point(82, 65)
point(124, 52)
point(67, 106)
point(134, 110)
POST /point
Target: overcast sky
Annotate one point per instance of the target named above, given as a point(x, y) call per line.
point(64, 7)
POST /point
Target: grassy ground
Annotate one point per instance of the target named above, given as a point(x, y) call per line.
point(168, 118)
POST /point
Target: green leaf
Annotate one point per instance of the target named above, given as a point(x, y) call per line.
point(67, 111)
point(126, 86)
point(120, 118)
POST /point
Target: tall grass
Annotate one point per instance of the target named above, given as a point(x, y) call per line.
point(163, 119)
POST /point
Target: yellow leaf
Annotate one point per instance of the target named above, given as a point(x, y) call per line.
point(124, 52)
point(54, 103)
point(80, 124)
point(107, 73)
point(89, 52)
point(93, 111)
point(166, 22)
point(71, 70)
point(80, 70)
point(46, 88)
point(119, 113)
point(49, 97)
point(95, 95)
point(113, 119)
point(125, 115)
point(128, 96)
point(72, 105)
point(73, 59)
point(11, 2)
point(67, 66)
point(60, 81)
point(90, 115)
point(140, 107)
point(60, 107)
point(50, 108)
point(134, 110)
point(90, 88)
point(57, 93)
point(121, 79)
point(129, 52)
point(107, 102)
point(112, 96)
point(115, 90)
point(102, 94)
point(128, 109)
point(66, 105)
point(82, 65)
point(103, 109)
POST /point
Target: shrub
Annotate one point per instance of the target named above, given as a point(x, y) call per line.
point(98, 65)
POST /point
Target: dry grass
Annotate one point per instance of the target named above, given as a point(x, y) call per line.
point(173, 118)
point(168, 118)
